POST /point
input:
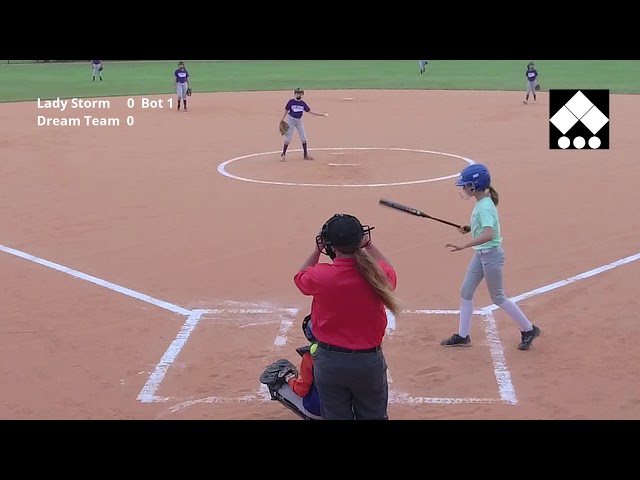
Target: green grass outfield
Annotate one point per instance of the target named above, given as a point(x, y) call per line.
point(21, 82)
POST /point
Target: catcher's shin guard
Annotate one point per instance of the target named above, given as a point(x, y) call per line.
point(286, 403)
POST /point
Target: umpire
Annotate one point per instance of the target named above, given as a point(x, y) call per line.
point(349, 319)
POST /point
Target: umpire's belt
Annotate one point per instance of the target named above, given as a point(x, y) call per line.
point(333, 348)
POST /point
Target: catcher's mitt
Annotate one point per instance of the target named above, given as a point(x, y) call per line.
point(537, 87)
point(284, 126)
point(189, 92)
point(274, 375)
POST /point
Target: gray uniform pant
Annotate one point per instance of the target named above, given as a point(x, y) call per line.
point(351, 386)
point(96, 69)
point(181, 90)
point(295, 123)
point(487, 264)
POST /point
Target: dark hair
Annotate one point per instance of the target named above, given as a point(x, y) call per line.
point(493, 193)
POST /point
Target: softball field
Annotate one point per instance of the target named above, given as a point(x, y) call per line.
point(148, 266)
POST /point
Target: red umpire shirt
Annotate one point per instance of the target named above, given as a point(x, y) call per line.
point(347, 312)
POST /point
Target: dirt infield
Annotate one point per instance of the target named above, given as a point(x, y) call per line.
point(147, 269)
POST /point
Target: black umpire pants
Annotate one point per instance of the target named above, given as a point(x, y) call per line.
point(351, 385)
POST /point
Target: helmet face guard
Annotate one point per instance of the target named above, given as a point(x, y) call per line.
point(344, 233)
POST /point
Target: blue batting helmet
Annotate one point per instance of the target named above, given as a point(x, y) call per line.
point(476, 175)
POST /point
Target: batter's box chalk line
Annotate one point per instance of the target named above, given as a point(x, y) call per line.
point(286, 316)
point(261, 394)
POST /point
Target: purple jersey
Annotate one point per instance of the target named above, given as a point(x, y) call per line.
point(181, 75)
point(296, 107)
point(531, 74)
point(96, 62)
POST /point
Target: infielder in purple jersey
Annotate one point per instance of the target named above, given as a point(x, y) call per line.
point(293, 111)
point(182, 84)
point(97, 69)
point(532, 81)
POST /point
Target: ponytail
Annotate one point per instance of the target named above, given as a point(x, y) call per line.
point(377, 279)
point(494, 195)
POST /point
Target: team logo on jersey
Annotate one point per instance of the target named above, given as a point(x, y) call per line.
point(579, 119)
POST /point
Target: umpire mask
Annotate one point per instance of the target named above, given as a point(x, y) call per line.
point(342, 232)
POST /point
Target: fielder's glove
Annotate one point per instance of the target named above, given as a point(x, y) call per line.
point(537, 87)
point(100, 69)
point(284, 126)
point(275, 373)
point(189, 92)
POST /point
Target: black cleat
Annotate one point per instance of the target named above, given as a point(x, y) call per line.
point(527, 338)
point(456, 340)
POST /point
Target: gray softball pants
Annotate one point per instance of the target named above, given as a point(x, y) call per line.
point(181, 90)
point(351, 386)
point(487, 264)
point(295, 123)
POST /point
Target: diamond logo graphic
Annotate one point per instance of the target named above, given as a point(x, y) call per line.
point(564, 120)
point(579, 118)
point(579, 105)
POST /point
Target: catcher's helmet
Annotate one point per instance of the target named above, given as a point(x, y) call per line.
point(476, 175)
point(342, 232)
point(306, 329)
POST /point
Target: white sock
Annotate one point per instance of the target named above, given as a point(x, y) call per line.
point(514, 312)
point(466, 312)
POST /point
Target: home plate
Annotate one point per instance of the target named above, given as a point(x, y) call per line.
point(347, 99)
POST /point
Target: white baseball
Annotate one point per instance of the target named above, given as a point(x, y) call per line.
point(326, 114)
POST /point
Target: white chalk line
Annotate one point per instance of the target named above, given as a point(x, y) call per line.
point(222, 168)
point(567, 281)
point(147, 394)
point(500, 369)
point(285, 325)
point(265, 397)
point(97, 281)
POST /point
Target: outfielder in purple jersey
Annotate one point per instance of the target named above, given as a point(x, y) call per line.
point(182, 84)
point(293, 112)
point(97, 69)
point(532, 81)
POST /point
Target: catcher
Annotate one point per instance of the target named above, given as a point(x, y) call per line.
point(183, 84)
point(533, 84)
point(293, 111)
point(294, 388)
